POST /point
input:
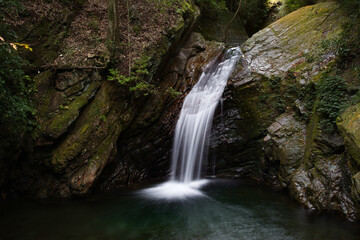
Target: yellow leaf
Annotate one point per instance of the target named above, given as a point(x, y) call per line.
point(13, 46)
point(26, 46)
point(2, 39)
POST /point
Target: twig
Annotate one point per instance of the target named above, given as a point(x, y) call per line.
point(57, 67)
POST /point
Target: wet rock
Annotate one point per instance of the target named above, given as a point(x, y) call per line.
point(349, 125)
point(324, 187)
point(356, 187)
point(285, 144)
point(280, 47)
point(293, 154)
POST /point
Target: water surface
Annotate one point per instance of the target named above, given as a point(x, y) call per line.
point(228, 209)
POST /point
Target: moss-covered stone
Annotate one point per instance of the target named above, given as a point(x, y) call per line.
point(68, 114)
point(349, 125)
point(283, 45)
point(84, 138)
point(356, 187)
point(276, 76)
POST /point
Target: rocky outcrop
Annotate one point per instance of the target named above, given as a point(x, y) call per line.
point(349, 125)
point(80, 114)
point(284, 146)
point(275, 80)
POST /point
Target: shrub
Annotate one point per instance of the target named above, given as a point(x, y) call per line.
point(136, 81)
point(17, 115)
point(331, 100)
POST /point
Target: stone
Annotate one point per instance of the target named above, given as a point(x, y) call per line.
point(349, 126)
point(356, 186)
point(324, 187)
point(279, 47)
point(286, 144)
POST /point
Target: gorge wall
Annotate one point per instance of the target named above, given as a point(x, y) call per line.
point(264, 133)
point(97, 134)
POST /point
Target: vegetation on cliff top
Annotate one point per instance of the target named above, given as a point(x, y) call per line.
point(17, 115)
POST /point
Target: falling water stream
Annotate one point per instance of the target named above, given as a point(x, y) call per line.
point(193, 130)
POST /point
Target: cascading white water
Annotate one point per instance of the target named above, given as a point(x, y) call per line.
point(194, 125)
point(193, 130)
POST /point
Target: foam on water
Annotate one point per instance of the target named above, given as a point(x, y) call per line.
point(175, 190)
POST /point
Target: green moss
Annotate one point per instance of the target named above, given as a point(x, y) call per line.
point(89, 129)
point(356, 186)
point(308, 26)
point(311, 134)
point(256, 115)
point(60, 123)
point(349, 126)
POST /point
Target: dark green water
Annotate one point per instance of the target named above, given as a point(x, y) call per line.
point(231, 210)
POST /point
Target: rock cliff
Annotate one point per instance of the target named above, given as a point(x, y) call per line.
point(264, 133)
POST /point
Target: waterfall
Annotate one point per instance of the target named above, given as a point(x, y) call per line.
point(193, 130)
point(193, 127)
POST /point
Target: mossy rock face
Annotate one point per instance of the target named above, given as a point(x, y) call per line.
point(93, 119)
point(99, 121)
point(282, 46)
point(60, 105)
point(349, 125)
point(61, 122)
point(46, 38)
point(277, 54)
point(323, 179)
point(356, 187)
point(270, 81)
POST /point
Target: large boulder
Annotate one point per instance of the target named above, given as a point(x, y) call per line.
point(277, 71)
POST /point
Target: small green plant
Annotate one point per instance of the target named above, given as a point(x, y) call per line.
point(137, 29)
point(331, 100)
point(279, 104)
point(275, 83)
point(17, 115)
point(103, 118)
point(137, 79)
point(357, 71)
point(172, 92)
point(94, 24)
